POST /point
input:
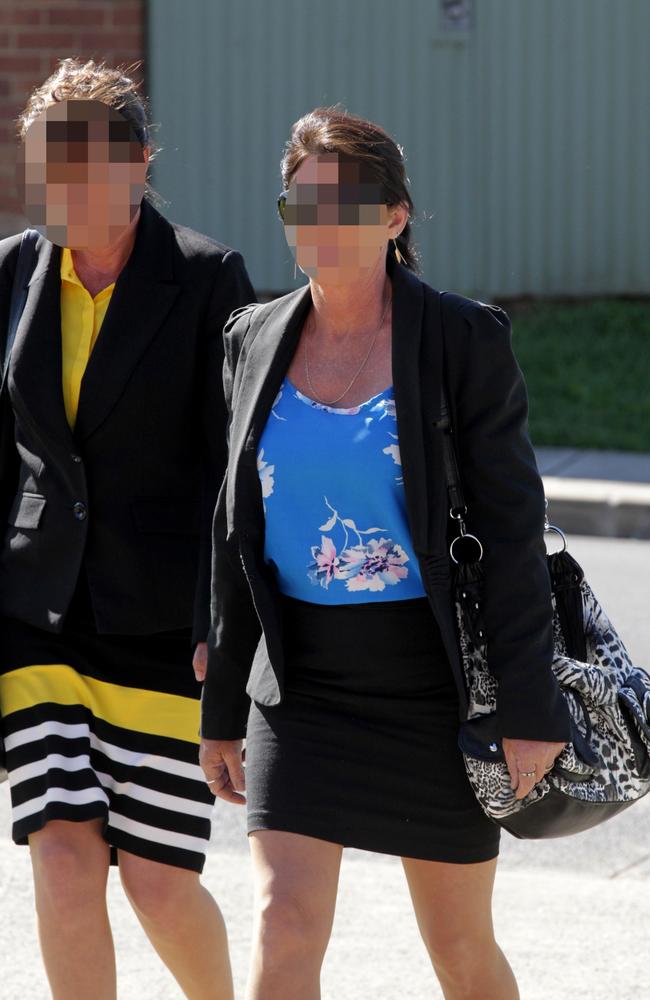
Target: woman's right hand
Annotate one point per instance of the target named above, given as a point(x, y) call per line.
point(223, 765)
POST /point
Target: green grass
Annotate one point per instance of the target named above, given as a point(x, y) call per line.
point(587, 367)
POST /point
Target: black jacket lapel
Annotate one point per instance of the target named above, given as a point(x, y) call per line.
point(35, 371)
point(409, 335)
point(264, 367)
point(143, 295)
point(432, 366)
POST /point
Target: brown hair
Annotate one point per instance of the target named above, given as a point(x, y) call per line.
point(334, 130)
point(92, 81)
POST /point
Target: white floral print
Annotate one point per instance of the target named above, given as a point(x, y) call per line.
point(266, 473)
point(387, 406)
point(394, 452)
point(275, 403)
point(366, 565)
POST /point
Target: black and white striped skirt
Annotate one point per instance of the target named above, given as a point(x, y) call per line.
point(105, 726)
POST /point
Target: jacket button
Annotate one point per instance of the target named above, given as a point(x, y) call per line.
point(80, 511)
point(75, 458)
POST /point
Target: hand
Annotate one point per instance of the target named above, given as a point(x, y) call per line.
point(222, 763)
point(200, 660)
point(528, 755)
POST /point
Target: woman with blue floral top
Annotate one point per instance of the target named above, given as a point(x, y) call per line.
point(333, 640)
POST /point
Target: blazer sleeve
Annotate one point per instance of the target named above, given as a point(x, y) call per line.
point(504, 494)
point(231, 289)
point(9, 459)
point(235, 628)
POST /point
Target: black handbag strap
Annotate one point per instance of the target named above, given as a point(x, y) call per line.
point(452, 473)
point(457, 505)
point(24, 269)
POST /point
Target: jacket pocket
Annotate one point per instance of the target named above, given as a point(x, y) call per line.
point(27, 510)
point(166, 515)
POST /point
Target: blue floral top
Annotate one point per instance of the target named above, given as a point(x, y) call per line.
point(336, 523)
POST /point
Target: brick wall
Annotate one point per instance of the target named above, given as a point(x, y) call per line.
point(34, 35)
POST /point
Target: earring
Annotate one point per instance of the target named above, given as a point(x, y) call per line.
point(400, 259)
point(295, 269)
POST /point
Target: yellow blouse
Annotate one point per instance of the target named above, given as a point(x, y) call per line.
point(81, 320)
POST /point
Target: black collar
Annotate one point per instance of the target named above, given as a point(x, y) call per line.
point(415, 316)
point(143, 294)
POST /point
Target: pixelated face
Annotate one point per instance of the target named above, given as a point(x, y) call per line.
point(335, 218)
point(83, 171)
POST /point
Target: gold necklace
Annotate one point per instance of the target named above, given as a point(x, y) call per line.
point(330, 402)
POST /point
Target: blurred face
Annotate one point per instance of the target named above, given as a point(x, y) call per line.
point(335, 219)
point(84, 174)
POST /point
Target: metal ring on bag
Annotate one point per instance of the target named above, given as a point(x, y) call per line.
point(553, 527)
point(464, 538)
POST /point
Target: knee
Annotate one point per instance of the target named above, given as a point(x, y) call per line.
point(287, 932)
point(157, 892)
point(462, 960)
point(69, 874)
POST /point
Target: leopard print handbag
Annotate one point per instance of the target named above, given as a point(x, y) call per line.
point(606, 766)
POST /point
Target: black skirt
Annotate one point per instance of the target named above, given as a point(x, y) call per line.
point(363, 749)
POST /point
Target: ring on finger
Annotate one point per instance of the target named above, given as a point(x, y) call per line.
point(211, 781)
point(528, 774)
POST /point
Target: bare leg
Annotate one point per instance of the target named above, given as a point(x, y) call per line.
point(296, 880)
point(70, 862)
point(183, 923)
point(453, 906)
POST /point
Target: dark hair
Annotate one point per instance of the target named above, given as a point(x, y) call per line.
point(334, 130)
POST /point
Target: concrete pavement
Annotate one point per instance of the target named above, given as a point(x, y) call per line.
point(593, 492)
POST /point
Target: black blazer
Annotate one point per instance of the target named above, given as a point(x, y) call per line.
point(503, 491)
point(130, 493)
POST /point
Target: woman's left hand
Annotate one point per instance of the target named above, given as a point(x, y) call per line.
point(200, 660)
point(528, 761)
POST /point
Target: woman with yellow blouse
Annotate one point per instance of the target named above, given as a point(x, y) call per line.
point(117, 431)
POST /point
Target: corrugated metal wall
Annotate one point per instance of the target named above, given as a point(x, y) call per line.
point(526, 132)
